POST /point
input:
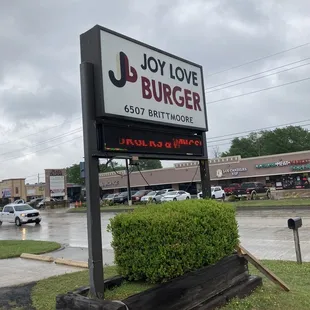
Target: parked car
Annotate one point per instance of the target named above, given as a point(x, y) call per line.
point(176, 195)
point(139, 194)
point(104, 196)
point(19, 201)
point(123, 197)
point(251, 190)
point(34, 201)
point(216, 193)
point(41, 204)
point(155, 196)
point(110, 198)
point(19, 214)
point(151, 196)
point(229, 190)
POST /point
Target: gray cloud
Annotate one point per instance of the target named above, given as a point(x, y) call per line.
point(39, 64)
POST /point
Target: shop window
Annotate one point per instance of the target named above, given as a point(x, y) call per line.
point(189, 187)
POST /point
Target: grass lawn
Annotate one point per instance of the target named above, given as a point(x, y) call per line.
point(272, 297)
point(14, 248)
point(45, 291)
point(273, 203)
point(298, 202)
point(269, 297)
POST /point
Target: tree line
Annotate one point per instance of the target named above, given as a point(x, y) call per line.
point(269, 142)
point(73, 172)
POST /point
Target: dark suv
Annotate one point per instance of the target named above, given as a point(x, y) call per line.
point(251, 190)
point(122, 197)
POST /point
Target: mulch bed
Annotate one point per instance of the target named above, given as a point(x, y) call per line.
point(16, 297)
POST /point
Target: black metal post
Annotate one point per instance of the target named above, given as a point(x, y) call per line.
point(128, 184)
point(95, 261)
point(205, 172)
point(297, 246)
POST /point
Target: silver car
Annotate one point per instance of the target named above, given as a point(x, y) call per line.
point(156, 196)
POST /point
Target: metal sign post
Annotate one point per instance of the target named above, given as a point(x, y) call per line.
point(205, 172)
point(294, 224)
point(128, 184)
point(95, 261)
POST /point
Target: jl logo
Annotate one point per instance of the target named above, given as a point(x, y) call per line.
point(127, 73)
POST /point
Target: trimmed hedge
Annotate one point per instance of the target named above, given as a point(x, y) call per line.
point(161, 242)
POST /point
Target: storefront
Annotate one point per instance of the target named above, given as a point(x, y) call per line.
point(281, 171)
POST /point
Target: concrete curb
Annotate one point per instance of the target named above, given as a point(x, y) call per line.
point(68, 262)
point(49, 259)
point(59, 261)
point(273, 208)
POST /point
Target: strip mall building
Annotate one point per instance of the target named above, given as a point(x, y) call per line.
point(282, 171)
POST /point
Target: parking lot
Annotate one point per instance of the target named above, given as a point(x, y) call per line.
point(264, 233)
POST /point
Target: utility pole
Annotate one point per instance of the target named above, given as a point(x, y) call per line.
point(38, 178)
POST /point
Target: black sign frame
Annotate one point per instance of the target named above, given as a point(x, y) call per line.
point(120, 138)
point(90, 45)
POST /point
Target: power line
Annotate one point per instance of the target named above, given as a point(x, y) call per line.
point(241, 136)
point(193, 178)
point(40, 131)
point(258, 78)
point(33, 176)
point(143, 176)
point(260, 90)
point(258, 59)
point(248, 76)
point(246, 135)
point(258, 129)
point(77, 130)
point(38, 151)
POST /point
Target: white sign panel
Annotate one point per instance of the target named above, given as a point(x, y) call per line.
point(57, 186)
point(31, 192)
point(142, 83)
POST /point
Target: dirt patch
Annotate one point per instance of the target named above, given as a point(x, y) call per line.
point(16, 297)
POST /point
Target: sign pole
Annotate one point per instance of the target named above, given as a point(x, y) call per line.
point(95, 261)
point(204, 170)
point(128, 184)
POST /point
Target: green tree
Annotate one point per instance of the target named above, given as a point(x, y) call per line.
point(73, 174)
point(111, 166)
point(149, 164)
point(277, 141)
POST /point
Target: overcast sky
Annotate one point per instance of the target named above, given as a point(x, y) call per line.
point(40, 108)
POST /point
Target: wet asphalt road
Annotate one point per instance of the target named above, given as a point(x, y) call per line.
point(264, 233)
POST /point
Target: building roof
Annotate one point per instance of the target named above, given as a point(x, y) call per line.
point(226, 168)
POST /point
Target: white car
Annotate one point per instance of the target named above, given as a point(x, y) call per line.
point(19, 214)
point(151, 196)
point(156, 196)
point(176, 195)
point(216, 193)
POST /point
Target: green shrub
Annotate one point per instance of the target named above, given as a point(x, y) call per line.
point(164, 241)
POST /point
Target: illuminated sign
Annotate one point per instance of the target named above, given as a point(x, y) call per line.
point(133, 140)
point(142, 83)
point(283, 163)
